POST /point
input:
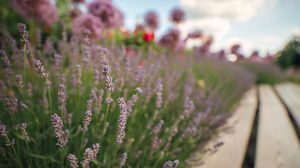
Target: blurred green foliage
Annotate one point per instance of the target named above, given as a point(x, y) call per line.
point(290, 54)
point(265, 73)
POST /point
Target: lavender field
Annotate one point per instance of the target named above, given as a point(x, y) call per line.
point(78, 89)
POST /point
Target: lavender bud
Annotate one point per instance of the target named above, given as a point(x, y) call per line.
point(158, 127)
point(171, 164)
point(73, 161)
point(19, 81)
point(23, 132)
point(62, 97)
point(60, 134)
point(11, 103)
point(90, 155)
point(86, 121)
point(123, 159)
point(76, 77)
point(159, 89)
point(4, 59)
point(3, 131)
point(122, 120)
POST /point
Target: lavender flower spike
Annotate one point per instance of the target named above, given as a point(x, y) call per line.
point(86, 121)
point(159, 89)
point(61, 134)
point(90, 155)
point(3, 131)
point(73, 161)
point(23, 132)
point(122, 120)
point(171, 164)
point(123, 159)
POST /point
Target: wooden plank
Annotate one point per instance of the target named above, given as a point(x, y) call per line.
point(290, 95)
point(231, 154)
point(277, 143)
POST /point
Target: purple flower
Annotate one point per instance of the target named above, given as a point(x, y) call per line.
point(151, 20)
point(122, 120)
point(170, 39)
point(86, 121)
point(177, 15)
point(108, 15)
point(159, 89)
point(23, 131)
point(3, 131)
point(11, 103)
point(87, 22)
point(42, 11)
point(60, 134)
point(171, 164)
point(73, 161)
point(89, 155)
point(123, 159)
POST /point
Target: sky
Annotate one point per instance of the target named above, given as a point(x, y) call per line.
point(264, 25)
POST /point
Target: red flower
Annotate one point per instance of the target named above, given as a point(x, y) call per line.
point(148, 36)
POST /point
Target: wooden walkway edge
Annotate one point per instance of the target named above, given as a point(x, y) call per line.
point(235, 144)
point(277, 142)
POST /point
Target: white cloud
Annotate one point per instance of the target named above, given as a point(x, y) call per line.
point(296, 31)
point(215, 16)
point(230, 9)
point(215, 26)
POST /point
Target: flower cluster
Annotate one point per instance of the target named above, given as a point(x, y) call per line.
point(89, 155)
point(171, 164)
point(122, 120)
point(151, 20)
point(42, 11)
point(87, 22)
point(60, 134)
point(123, 159)
point(177, 15)
point(86, 121)
point(23, 131)
point(73, 161)
point(106, 13)
point(170, 39)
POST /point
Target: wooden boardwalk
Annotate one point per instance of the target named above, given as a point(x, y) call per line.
point(277, 143)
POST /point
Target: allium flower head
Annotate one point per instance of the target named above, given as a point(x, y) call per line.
point(177, 15)
point(170, 39)
point(87, 22)
point(151, 20)
point(42, 11)
point(108, 15)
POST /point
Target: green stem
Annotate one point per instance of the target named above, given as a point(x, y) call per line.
point(24, 66)
point(62, 157)
point(15, 152)
point(50, 100)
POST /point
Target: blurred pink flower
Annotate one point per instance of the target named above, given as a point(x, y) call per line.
point(87, 22)
point(151, 20)
point(177, 15)
point(42, 11)
point(110, 16)
point(195, 34)
point(171, 38)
